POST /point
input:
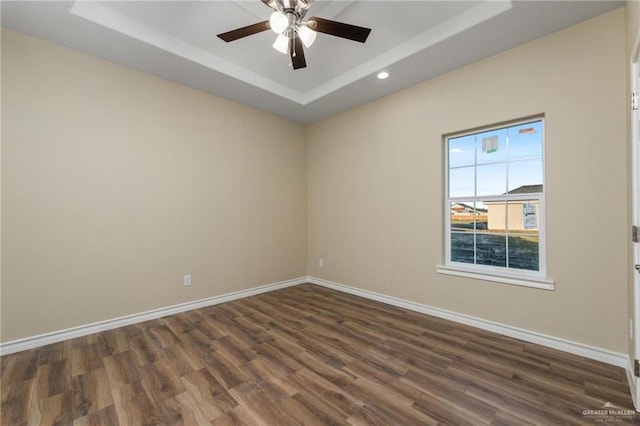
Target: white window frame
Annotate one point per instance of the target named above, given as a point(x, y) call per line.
point(505, 275)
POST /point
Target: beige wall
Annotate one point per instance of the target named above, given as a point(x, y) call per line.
point(632, 12)
point(116, 183)
point(375, 185)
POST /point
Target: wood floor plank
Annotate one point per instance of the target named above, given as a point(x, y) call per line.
point(85, 358)
point(133, 406)
point(112, 342)
point(161, 380)
point(121, 369)
point(385, 412)
point(178, 324)
point(16, 402)
point(90, 393)
point(103, 417)
point(304, 355)
point(54, 352)
point(55, 410)
point(263, 401)
point(237, 416)
point(235, 349)
point(196, 342)
point(224, 371)
point(330, 393)
point(201, 410)
point(40, 389)
point(510, 409)
point(21, 366)
point(324, 412)
point(381, 378)
point(59, 377)
point(184, 358)
point(330, 372)
point(145, 349)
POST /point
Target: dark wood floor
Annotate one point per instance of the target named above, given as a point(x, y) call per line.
point(304, 355)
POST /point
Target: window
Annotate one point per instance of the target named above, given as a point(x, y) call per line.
point(494, 205)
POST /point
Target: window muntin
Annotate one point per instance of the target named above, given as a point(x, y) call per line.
point(495, 198)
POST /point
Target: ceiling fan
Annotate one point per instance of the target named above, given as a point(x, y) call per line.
point(293, 32)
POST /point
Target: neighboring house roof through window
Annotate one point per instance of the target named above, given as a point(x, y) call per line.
point(526, 189)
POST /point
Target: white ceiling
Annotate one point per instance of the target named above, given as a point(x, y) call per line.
point(412, 40)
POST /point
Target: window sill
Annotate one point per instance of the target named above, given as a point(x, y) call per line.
point(541, 283)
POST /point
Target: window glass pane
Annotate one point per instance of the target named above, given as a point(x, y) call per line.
point(482, 216)
point(524, 235)
point(523, 216)
point(524, 251)
point(525, 141)
point(462, 217)
point(496, 216)
point(492, 220)
point(525, 177)
point(462, 247)
point(462, 151)
point(491, 249)
point(461, 182)
point(491, 146)
point(492, 179)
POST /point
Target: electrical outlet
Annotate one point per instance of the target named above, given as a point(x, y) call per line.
point(321, 263)
point(186, 280)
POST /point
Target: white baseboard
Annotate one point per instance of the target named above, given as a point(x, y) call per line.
point(96, 327)
point(587, 351)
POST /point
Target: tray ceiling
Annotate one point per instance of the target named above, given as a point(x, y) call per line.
point(413, 41)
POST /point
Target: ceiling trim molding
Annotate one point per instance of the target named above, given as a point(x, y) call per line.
point(100, 15)
point(456, 25)
point(135, 29)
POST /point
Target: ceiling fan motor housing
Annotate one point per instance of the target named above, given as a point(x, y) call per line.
point(293, 32)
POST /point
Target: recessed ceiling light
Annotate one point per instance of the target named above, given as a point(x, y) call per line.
point(382, 75)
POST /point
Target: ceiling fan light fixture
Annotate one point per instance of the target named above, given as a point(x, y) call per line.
point(307, 35)
point(278, 22)
point(282, 44)
point(294, 34)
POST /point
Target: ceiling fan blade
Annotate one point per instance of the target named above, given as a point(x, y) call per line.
point(270, 3)
point(339, 29)
point(297, 53)
point(245, 31)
